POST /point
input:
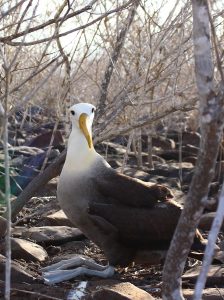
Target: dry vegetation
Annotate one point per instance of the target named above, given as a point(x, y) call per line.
point(133, 59)
point(154, 69)
point(152, 76)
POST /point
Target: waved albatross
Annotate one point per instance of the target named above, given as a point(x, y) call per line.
point(122, 215)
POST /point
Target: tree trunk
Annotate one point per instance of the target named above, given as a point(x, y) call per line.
point(211, 119)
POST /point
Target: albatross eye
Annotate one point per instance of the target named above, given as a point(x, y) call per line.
point(72, 112)
point(93, 110)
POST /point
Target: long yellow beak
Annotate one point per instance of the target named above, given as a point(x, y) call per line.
point(83, 127)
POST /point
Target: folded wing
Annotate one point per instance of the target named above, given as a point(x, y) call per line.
point(122, 189)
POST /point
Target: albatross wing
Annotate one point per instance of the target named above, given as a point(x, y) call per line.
point(122, 189)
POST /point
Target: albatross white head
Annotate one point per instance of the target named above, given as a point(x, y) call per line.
point(82, 115)
point(81, 153)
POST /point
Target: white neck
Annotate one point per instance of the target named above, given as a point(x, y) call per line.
point(79, 155)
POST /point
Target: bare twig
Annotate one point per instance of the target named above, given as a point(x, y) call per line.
point(11, 9)
point(7, 178)
point(67, 76)
point(49, 147)
point(31, 76)
point(114, 57)
point(29, 95)
point(23, 16)
point(125, 158)
point(146, 120)
point(8, 40)
point(49, 22)
point(23, 40)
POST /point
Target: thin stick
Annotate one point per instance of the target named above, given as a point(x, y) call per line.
point(7, 40)
point(39, 85)
point(7, 179)
point(130, 139)
point(51, 21)
point(6, 13)
point(216, 225)
point(50, 146)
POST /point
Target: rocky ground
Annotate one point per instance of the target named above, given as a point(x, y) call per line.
point(42, 235)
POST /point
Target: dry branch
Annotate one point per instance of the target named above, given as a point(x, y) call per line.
point(50, 172)
point(105, 134)
point(49, 22)
point(114, 57)
point(35, 73)
point(11, 9)
point(40, 84)
point(211, 117)
point(8, 40)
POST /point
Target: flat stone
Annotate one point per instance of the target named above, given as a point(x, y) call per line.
point(188, 137)
point(18, 272)
point(75, 246)
point(163, 143)
point(206, 221)
point(3, 227)
point(158, 159)
point(43, 139)
point(208, 294)
point(24, 150)
point(57, 219)
point(114, 163)
point(215, 275)
point(87, 288)
point(191, 159)
point(218, 256)
point(94, 285)
point(112, 148)
point(52, 234)
point(173, 154)
point(171, 170)
point(27, 250)
point(212, 203)
point(190, 149)
point(183, 165)
point(120, 291)
point(135, 173)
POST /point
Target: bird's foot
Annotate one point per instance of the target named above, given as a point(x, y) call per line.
point(61, 271)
